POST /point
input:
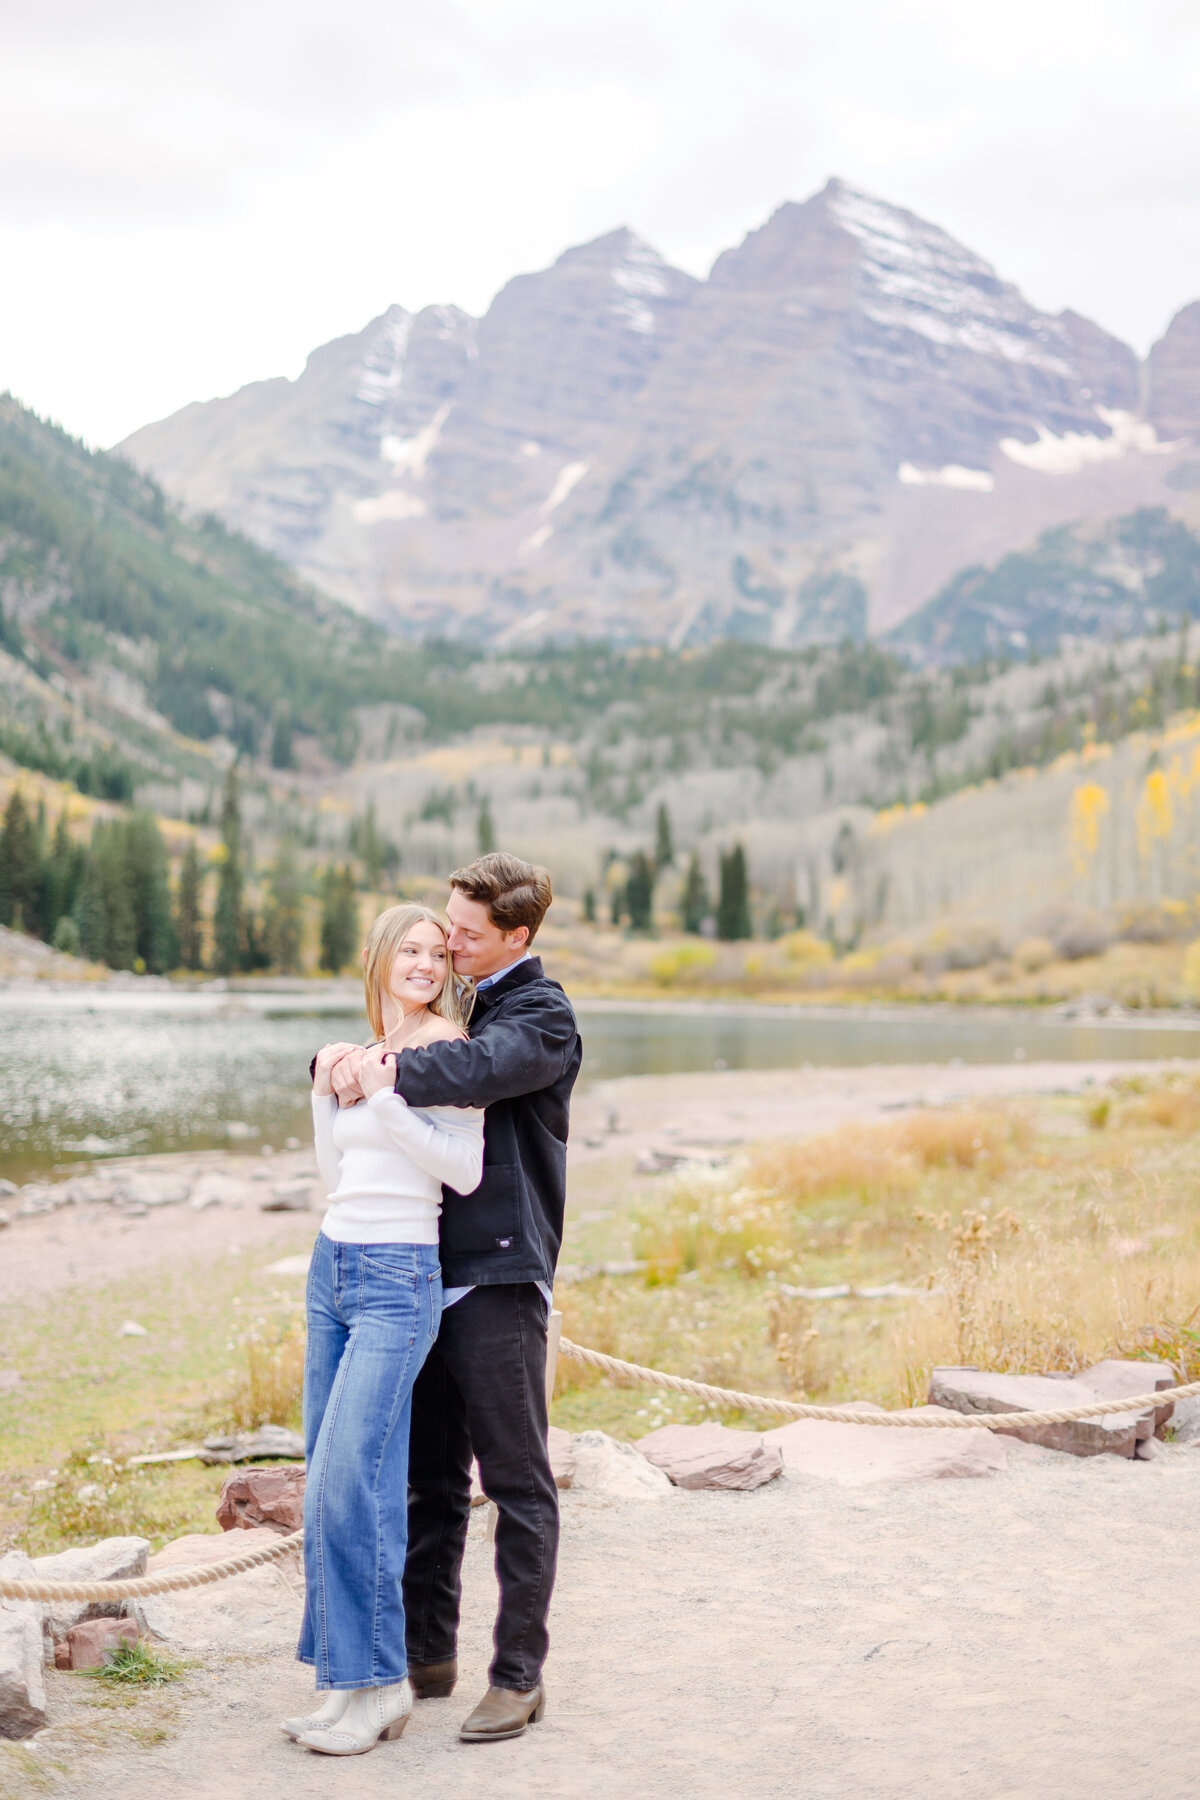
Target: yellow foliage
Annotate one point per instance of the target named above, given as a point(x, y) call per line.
point(1089, 804)
point(1191, 970)
point(805, 949)
point(1155, 815)
point(671, 966)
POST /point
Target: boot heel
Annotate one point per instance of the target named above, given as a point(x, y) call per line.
point(395, 1729)
point(538, 1710)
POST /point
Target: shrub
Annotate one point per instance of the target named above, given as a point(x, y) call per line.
point(1033, 953)
point(673, 967)
point(804, 950)
point(1075, 931)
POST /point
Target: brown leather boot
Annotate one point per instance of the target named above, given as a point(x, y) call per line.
point(433, 1681)
point(503, 1714)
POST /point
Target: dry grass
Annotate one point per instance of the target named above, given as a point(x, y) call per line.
point(269, 1387)
point(1030, 1240)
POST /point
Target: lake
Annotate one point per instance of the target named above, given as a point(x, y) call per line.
point(121, 1071)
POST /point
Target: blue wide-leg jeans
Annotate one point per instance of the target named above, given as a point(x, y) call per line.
point(373, 1314)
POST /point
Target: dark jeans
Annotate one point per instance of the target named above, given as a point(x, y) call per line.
point(483, 1390)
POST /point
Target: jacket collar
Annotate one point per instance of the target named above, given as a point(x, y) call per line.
point(520, 975)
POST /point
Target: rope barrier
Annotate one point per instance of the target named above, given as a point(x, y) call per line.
point(173, 1581)
point(142, 1586)
point(836, 1415)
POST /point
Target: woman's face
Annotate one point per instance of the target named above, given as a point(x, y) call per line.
point(421, 966)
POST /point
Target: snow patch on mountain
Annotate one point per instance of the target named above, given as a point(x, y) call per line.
point(640, 277)
point(410, 455)
point(926, 282)
point(393, 506)
point(953, 475)
point(1075, 450)
point(568, 478)
point(382, 368)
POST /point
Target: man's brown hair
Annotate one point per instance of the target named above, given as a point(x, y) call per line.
point(515, 893)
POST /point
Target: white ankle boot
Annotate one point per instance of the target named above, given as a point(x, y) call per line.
point(328, 1713)
point(372, 1714)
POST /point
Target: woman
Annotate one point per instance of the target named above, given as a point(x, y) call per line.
point(373, 1307)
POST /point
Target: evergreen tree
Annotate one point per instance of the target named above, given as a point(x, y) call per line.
point(639, 892)
point(62, 875)
point(283, 751)
point(146, 876)
point(618, 902)
point(733, 903)
point(20, 865)
point(229, 926)
point(664, 849)
point(188, 928)
point(589, 906)
point(368, 843)
point(106, 917)
point(694, 905)
point(486, 830)
point(285, 910)
point(339, 919)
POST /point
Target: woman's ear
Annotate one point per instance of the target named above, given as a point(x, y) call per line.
point(363, 957)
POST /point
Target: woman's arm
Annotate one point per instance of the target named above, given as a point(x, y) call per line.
point(449, 1151)
point(329, 1157)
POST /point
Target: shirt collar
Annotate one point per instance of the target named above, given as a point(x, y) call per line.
point(491, 980)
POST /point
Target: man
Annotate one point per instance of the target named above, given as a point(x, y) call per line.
point(482, 1389)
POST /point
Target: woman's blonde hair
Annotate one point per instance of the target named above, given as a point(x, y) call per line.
point(383, 941)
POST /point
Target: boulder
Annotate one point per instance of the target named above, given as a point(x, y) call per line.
point(862, 1455)
point(712, 1456)
point(289, 1196)
point(22, 1677)
point(981, 1391)
point(562, 1456)
point(603, 1466)
point(1185, 1420)
point(88, 1645)
point(112, 1559)
point(254, 1446)
point(193, 1614)
point(22, 1654)
point(262, 1497)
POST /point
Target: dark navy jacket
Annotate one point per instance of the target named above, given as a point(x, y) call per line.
point(520, 1065)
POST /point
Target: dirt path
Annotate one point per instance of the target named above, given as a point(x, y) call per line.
point(1031, 1634)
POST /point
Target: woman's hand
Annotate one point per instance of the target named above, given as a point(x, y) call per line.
point(326, 1058)
point(377, 1070)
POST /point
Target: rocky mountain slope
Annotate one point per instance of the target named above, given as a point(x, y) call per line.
point(812, 441)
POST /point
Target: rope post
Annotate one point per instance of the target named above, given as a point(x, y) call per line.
point(553, 1340)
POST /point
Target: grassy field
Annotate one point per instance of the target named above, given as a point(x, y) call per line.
point(1033, 1236)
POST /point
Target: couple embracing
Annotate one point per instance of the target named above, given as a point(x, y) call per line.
point(443, 1147)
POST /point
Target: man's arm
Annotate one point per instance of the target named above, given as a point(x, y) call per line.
point(519, 1054)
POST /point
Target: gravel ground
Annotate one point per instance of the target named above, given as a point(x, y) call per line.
point(1030, 1634)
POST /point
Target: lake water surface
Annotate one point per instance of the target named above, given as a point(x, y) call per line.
point(121, 1071)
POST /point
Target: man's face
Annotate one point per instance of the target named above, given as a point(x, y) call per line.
point(478, 947)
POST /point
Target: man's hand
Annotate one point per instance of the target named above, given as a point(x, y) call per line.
point(345, 1076)
point(326, 1060)
point(377, 1070)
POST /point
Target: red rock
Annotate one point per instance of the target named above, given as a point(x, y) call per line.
point(62, 1656)
point(89, 1643)
point(982, 1391)
point(711, 1456)
point(254, 1497)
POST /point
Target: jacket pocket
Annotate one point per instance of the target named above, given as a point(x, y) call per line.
point(487, 1220)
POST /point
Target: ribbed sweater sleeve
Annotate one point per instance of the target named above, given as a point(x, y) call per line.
point(329, 1157)
point(449, 1150)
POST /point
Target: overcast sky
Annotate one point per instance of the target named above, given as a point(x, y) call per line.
point(192, 197)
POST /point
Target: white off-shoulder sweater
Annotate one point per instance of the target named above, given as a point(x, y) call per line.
point(383, 1163)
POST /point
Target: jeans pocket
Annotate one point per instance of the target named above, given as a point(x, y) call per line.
point(401, 1271)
